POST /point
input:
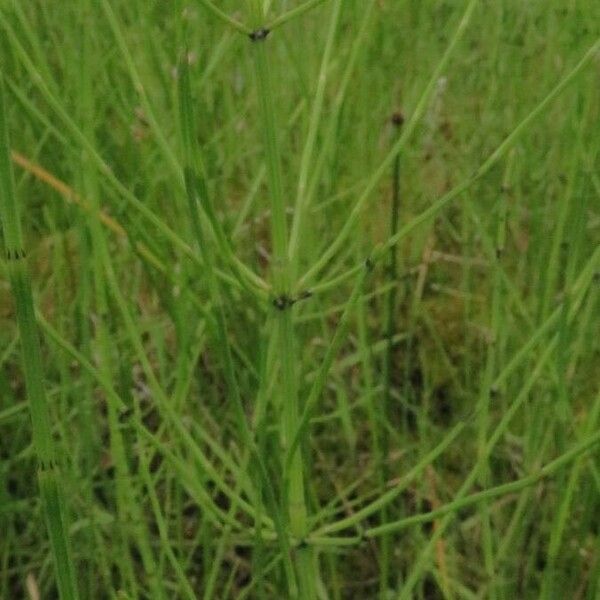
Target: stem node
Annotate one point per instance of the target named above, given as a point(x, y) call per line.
point(259, 35)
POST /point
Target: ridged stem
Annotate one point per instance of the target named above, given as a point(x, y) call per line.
point(49, 477)
point(283, 319)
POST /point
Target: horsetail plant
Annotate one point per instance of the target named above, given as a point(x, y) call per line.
point(205, 226)
point(285, 287)
point(228, 476)
point(294, 491)
point(49, 476)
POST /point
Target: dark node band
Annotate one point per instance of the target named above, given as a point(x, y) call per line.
point(397, 119)
point(369, 264)
point(125, 414)
point(47, 464)
point(15, 254)
point(258, 35)
point(282, 302)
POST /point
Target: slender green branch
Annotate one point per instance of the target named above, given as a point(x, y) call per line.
point(224, 17)
point(302, 195)
point(293, 13)
point(501, 490)
point(385, 499)
point(321, 378)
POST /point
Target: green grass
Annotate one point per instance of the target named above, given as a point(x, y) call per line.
point(268, 344)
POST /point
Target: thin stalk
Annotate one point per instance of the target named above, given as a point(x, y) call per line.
point(551, 572)
point(487, 392)
point(388, 364)
point(101, 344)
point(293, 13)
point(320, 381)
point(460, 502)
point(224, 17)
point(553, 260)
point(302, 195)
point(284, 326)
point(197, 193)
point(199, 198)
point(390, 316)
point(49, 476)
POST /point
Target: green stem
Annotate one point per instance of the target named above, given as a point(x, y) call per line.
point(224, 17)
point(461, 502)
point(388, 366)
point(288, 388)
point(200, 208)
point(307, 160)
point(293, 13)
point(49, 477)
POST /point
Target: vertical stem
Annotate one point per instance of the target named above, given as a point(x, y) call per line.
point(487, 391)
point(279, 228)
point(390, 320)
point(199, 203)
point(51, 488)
point(288, 388)
point(390, 326)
